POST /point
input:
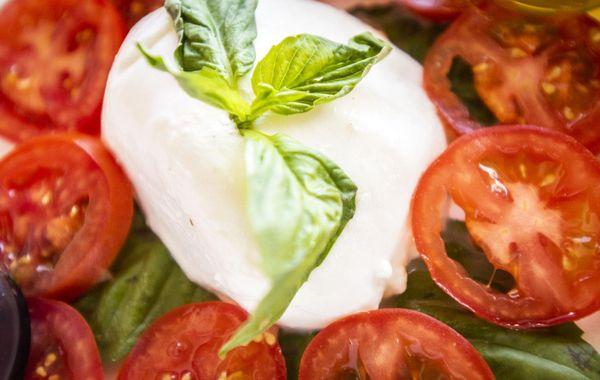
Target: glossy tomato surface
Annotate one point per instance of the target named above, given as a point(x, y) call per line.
point(55, 56)
point(391, 344)
point(531, 199)
point(65, 210)
point(543, 71)
point(184, 343)
point(62, 344)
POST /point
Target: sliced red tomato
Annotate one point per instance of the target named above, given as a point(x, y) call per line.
point(55, 56)
point(438, 10)
point(133, 10)
point(65, 210)
point(541, 71)
point(532, 202)
point(391, 344)
point(62, 344)
point(183, 345)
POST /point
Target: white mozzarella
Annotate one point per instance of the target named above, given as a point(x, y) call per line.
point(185, 159)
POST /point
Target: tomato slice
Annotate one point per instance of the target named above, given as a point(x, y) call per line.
point(55, 56)
point(438, 10)
point(533, 70)
point(183, 345)
point(133, 10)
point(390, 344)
point(62, 344)
point(532, 202)
point(65, 211)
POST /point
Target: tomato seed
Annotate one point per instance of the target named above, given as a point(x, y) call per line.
point(548, 88)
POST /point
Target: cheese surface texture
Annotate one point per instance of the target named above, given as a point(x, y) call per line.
point(186, 161)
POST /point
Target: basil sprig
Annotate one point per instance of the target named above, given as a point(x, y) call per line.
point(299, 201)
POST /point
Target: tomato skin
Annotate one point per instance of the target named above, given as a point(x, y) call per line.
point(184, 344)
point(66, 169)
point(55, 56)
point(553, 285)
point(527, 70)
point(390, 344)
point(62, 343)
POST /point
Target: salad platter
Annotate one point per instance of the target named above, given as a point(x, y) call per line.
point(299, 189)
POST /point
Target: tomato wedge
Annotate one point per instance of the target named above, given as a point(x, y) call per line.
point(391, 344)
point(183, 345)
point(55, 56)
point(133, 10)
point(527, 70)
point(532, 203)
point(65, 211)
point(62, 344)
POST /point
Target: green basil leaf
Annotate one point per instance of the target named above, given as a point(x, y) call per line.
point(215, 34)
point(206, 85)
point(305, 70)
point(146, 284)
point(299, 203)
point(553, 353)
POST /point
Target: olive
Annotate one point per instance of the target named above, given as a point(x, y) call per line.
point(14, 330)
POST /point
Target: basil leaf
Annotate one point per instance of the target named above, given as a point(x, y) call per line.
point(206, 85)
point(299, 203)
point(146, 284)
point(305, 70)
point(553, 353)
point(215, 34)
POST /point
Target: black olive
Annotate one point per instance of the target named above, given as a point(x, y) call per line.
point(15, 333)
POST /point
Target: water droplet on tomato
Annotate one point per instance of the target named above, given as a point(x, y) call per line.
point(177, 349)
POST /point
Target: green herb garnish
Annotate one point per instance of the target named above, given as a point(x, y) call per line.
point(299, 201)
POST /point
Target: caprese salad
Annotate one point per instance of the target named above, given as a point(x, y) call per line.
point(272, 189)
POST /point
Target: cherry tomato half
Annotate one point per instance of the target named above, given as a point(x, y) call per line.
point(532, 202)
point(65, 211)
point(55, 56)
point(391, 344)
point(183, 345)
point(133, 10)
point(528, 70)
point(62, 344)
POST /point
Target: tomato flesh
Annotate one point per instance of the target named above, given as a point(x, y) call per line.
point(391, 344)
point(537, 70)
point(183, 345)
point(531, 202)
point(55, 56)
point(65, 210)
point(133, 10)
point(62, 344)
